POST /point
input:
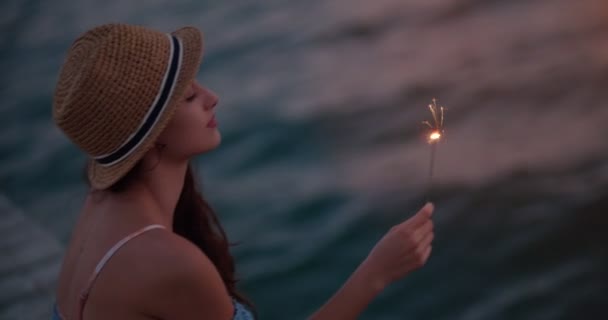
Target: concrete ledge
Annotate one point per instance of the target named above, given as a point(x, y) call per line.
point(30, 259)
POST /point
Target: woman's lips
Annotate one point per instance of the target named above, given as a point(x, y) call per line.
point(212, 123)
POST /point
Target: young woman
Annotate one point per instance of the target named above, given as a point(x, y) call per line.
point(147, 245)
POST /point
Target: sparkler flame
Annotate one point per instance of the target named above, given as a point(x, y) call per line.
point(437, 125)
point(434, 137)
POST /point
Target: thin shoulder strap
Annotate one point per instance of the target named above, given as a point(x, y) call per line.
point(84, 295)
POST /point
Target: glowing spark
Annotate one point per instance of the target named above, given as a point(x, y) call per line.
point(437, 125)
point(434, 136)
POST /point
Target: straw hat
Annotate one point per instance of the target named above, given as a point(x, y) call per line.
point(118, 89)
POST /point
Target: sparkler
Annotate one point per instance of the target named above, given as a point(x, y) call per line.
point(433, 138)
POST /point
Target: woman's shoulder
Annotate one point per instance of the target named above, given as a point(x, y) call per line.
point(176, 278)
point(163, 258)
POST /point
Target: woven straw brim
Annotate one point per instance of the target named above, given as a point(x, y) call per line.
point(102, 177)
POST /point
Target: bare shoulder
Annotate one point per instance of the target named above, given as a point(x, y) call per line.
point(179, 281)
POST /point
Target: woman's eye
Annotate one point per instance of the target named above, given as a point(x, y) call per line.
point(191, 97)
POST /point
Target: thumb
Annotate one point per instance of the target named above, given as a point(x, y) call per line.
point(420, 217)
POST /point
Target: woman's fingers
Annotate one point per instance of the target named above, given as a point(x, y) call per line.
point(419, 218)
point(427, 240)
point(426, 254)
point(421, 251)
point(417, 258)
point(422, 231)
point(404, 248)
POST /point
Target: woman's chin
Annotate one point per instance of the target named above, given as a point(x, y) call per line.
point(212, 142)
point(217, 137)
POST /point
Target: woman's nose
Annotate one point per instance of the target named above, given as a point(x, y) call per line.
point(214, 99)
point(211, 99)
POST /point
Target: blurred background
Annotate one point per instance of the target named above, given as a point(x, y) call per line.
point(323, 148)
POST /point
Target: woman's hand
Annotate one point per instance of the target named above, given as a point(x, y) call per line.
point(404, 248)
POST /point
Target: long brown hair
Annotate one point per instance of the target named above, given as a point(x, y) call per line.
point(195, 220)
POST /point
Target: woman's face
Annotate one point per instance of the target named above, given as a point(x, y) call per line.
point(193, 129)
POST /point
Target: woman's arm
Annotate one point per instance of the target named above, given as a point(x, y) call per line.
point(354, 296)
point(404, 248)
